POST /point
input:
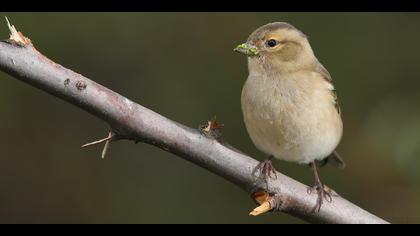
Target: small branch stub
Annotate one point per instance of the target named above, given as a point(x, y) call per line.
point(212, 129)
point(261, 209)
point(107, 140)
point(16, 36)
point(262, 198)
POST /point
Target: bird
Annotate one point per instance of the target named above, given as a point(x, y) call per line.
point(289, 103)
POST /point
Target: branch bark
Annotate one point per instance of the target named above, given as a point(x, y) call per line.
point(131, 121)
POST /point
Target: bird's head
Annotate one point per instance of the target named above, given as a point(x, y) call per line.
point(277, 45)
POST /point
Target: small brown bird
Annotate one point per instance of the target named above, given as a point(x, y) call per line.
point(289, 103)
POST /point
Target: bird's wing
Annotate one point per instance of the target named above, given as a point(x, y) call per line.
point(326, 75)
point(334, 158)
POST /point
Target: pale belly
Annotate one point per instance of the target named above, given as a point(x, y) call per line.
point(291, 122)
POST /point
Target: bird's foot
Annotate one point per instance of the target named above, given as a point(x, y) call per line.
point(265, 170)
point(324, 192)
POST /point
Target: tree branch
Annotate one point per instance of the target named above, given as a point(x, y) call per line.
point(129, 120)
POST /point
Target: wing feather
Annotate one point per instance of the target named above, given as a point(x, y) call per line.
point(327, 77)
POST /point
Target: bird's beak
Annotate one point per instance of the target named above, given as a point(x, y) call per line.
point(247, 49)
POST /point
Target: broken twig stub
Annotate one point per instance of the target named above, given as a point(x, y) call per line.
point(212, 129)
point(111, 137)
point(17, 37)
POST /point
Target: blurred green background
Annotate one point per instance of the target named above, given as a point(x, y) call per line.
point(182, 66)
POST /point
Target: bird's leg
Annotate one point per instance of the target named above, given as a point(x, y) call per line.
point(321, 189)
point(261, 195)
point(265, 169)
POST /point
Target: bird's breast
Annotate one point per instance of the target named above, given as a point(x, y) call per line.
point(291, 116)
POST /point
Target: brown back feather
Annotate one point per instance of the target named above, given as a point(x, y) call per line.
point(326, 75)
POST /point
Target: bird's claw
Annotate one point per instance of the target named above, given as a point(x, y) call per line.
point(266, 170)
point(324, 192)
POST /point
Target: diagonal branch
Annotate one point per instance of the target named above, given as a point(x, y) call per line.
point(129, 120)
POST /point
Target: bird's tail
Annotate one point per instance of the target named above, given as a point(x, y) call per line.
point(337, 160)
point(334, 159)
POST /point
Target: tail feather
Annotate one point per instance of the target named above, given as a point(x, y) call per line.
point(335, 159)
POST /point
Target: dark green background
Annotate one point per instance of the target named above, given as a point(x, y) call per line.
point(182, 66)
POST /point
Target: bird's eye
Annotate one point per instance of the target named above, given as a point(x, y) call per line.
point(272, 43)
